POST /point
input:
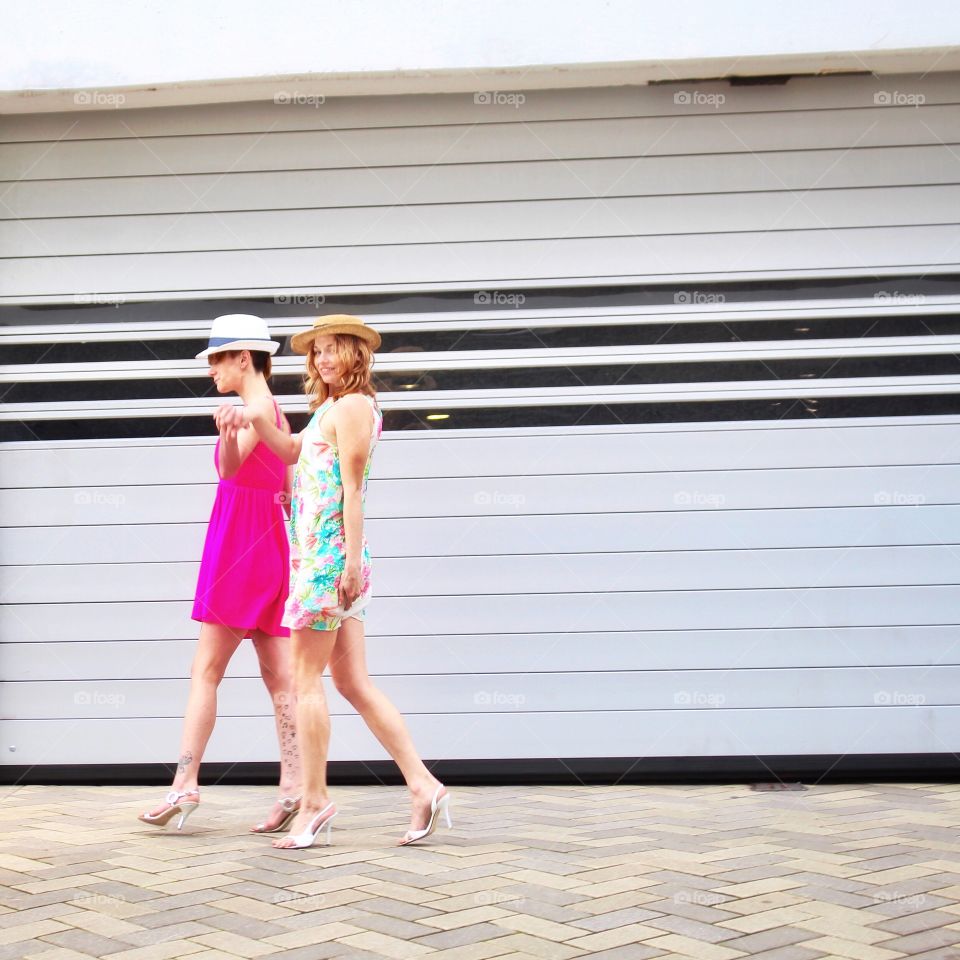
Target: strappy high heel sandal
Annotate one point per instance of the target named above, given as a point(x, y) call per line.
point(290, 807)
point(309, 836)
point(440, 802)
point(175, 805)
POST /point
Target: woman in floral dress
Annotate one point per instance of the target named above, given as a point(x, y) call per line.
point(330, 579)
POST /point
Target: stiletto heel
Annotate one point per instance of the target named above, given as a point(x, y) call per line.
point(439, 801)
point(175, 805)
point(290, 806)
point(186, 808)
point(309, 836)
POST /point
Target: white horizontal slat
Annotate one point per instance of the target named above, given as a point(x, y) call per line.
point(524, 694)
point(732, 609)
point(551, 613)
point(577, 493)
point(737, 173)
point(339, 113)
point(432, 400)
point(67, 658)
point(523, 264)
point(757, 445)
point(482, 222)
point(387, 363)
point(688, 308)
point(875, 525)
point(467, 736)
point(485, 433)
point(468, 143)
point(587, 574)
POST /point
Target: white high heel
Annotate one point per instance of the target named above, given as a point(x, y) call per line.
point(309, 836)
point(438, 803)
point(176, 805)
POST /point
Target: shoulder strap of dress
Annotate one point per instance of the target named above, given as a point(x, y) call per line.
point(276, 407)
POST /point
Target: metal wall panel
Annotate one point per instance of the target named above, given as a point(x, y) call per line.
point(731, 587)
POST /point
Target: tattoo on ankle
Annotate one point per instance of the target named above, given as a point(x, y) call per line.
point(184, 762)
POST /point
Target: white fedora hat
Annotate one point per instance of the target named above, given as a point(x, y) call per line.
point(239, 331)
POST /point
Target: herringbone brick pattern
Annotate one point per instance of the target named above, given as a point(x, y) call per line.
point(861, 872)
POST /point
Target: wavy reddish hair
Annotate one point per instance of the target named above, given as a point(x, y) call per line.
point(355, 362)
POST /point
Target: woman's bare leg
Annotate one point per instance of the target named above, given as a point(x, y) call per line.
point(215, 647)
point(277, 671)
point(311, 651)
point(348, 668)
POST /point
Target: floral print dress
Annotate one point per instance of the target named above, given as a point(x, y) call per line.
point(317, 545)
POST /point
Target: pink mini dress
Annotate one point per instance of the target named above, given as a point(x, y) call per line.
point(244, 573)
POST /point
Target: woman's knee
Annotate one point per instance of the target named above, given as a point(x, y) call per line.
point(355, 690)
point(208, 670)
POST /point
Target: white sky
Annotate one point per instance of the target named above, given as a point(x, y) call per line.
point(56, 44)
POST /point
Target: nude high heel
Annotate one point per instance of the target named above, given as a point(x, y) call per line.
point(176, 805)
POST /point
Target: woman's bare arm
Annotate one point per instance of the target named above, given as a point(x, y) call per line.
point(260, 415)
point(353, 428)
point(235, 445)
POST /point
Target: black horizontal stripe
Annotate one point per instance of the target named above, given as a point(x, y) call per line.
point(595, 414)
point(599, 375)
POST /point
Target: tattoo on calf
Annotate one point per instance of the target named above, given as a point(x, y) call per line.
point(184, 762)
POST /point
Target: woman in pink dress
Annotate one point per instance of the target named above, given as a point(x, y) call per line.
point(243, 581)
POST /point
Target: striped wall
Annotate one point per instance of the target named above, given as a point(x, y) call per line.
point(672, 560)
point(812, 178)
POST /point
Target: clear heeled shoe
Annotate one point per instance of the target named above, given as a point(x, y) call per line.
point(440, 802)
point(175, 805)
point(309, 836)
point(290, 807)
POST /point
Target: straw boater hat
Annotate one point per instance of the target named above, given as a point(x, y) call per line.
point(239, 331)
point(334, 323)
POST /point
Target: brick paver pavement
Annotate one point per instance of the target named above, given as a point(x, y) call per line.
point(860, 872)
